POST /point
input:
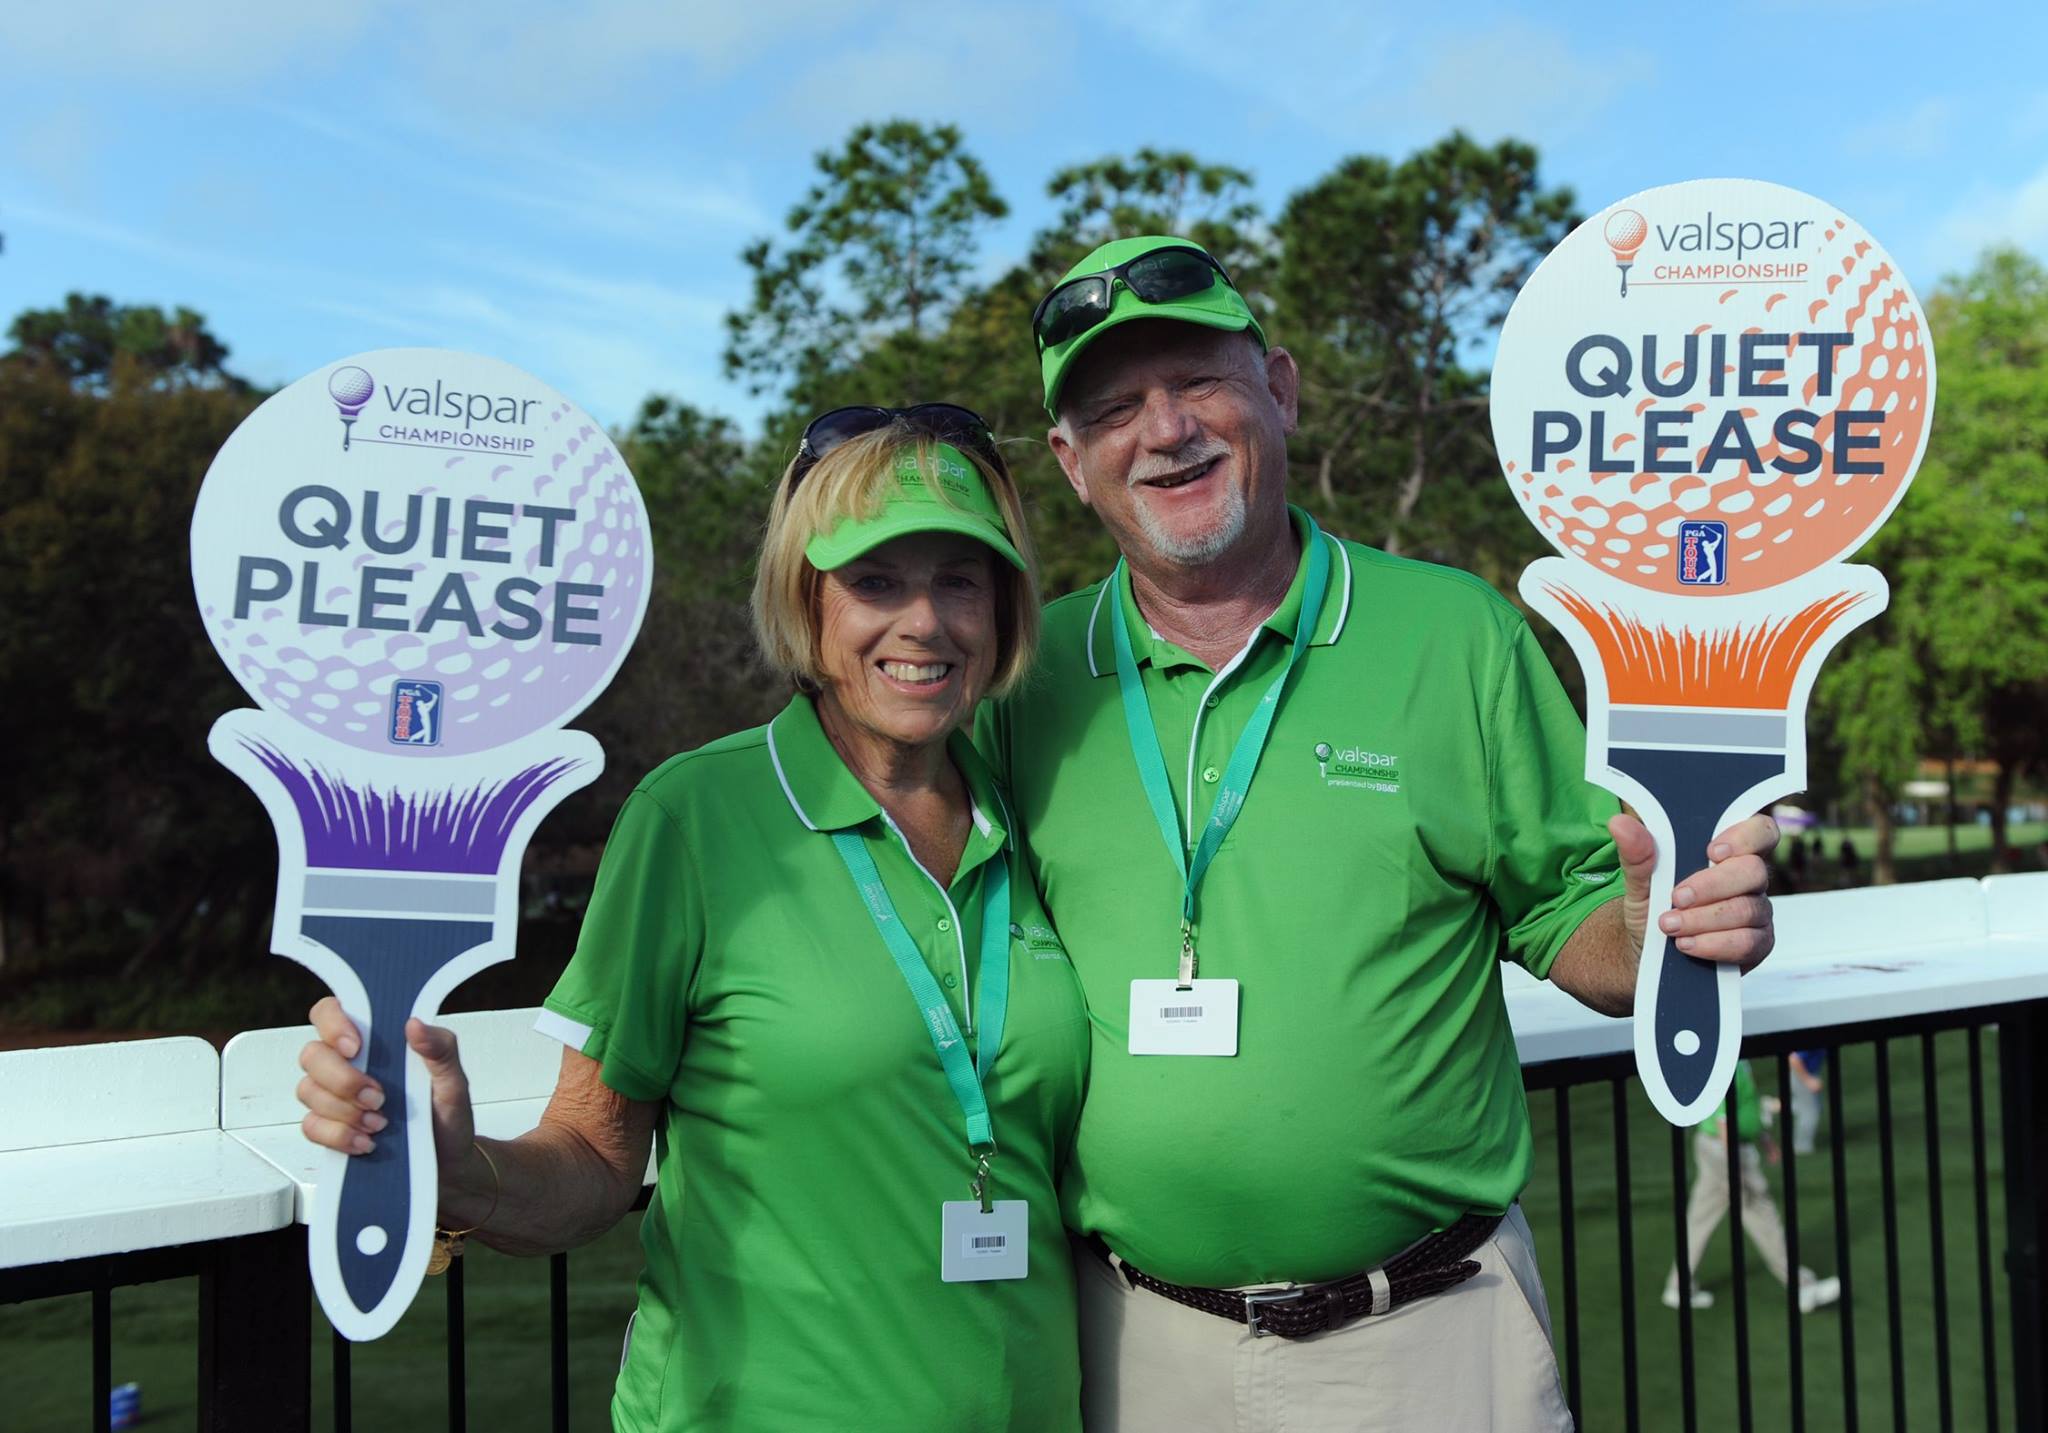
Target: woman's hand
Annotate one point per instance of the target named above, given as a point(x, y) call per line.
point(344, 1106)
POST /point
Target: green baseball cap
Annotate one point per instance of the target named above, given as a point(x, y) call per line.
point(913, 506)
point(1219, 305)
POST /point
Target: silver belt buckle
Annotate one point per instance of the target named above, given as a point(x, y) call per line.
point(1253, 1302)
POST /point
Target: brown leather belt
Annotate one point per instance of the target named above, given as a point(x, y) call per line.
point(1437, 1263)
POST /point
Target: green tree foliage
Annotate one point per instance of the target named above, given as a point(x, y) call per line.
point(119, 840)
point(1871, 691)
point(884, 241)
point(1972, 545)
point(91, 339)
point(1958, 666)
point(692, 673)
point(1389, 276)
point(1151, 192)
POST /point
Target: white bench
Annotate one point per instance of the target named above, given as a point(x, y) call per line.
point(1843, 957)
point(511, 1068)
point(108, 1149)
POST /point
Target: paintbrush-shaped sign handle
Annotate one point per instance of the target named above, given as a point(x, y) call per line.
point(1688, 1010)
point(395, 884)
point(372, 1220)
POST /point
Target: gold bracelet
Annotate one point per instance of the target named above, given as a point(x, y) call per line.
point(448, 1242)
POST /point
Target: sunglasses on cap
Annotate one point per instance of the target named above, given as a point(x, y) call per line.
point(1158, 277)
point(948, 422)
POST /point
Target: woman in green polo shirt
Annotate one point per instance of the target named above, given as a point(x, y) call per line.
point(815, 962)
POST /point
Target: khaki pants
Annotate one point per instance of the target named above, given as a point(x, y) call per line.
point(1474, 1358)
point(1708, 1205)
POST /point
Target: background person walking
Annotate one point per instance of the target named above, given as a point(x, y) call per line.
point(1708, 1204)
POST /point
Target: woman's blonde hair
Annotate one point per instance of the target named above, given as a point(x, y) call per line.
point(853, 481)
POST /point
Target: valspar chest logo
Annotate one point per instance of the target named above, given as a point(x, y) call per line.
point(1357, 768)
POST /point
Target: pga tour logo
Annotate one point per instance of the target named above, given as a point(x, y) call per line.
point(1702, 554)
point(415, 713)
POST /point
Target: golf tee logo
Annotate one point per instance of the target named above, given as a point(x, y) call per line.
point(416, 622)
point(350, 388)
point(1704, 447)
point(1625, 233)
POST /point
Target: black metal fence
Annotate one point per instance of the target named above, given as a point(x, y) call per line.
point(1964, 1339)
point(1940, 1319)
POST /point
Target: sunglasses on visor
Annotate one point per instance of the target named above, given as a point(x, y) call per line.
point(1158, 277)
point(948, 422)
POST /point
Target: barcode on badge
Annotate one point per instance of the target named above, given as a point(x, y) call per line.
point(1180, 1012)
point(982, 1245)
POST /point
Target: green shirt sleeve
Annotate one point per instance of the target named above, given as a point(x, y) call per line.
point(1553, 862)
point(639, 950)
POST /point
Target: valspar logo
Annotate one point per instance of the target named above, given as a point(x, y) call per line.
point(422, 416)
point(1358, 768)
point(1708, 248)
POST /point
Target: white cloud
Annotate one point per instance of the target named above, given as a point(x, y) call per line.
point(1372, 75)
point(990, 66)
point(424, 334)
point(593, 296)
point(543, 58)
point(59, 147)
point(29, 217)
point(606, 367)
point(2017, 217)
point(195, 40)
point(1925, 131)
point(528, 168)
point(1319, 62)
point(646, 202)
point(477, 58)
point(2030, 118)
point(1515, 78)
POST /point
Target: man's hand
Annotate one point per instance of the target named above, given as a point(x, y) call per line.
point(1718, 913)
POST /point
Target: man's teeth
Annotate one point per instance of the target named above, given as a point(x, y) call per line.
point(904, 672)
point(1180, 479)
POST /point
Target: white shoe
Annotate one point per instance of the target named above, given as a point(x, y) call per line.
point(1818, 1293)
point(1701, 1298)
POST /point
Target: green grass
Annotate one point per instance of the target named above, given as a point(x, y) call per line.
point(1658, 1347)
point(400, 1382)
point(1921, 852)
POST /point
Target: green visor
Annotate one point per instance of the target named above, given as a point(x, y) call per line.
point(1215, 304)
point(966, 508)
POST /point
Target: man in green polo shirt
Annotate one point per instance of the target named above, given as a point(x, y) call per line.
point(1290, 800)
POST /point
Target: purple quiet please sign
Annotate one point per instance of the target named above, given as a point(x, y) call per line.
point(420, 565)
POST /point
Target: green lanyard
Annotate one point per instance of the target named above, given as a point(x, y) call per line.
point(939, 1023)
point(1237, 776)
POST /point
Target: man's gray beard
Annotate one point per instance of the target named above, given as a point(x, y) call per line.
point(1205, 547)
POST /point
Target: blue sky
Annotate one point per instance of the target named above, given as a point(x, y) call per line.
point(567, 186)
